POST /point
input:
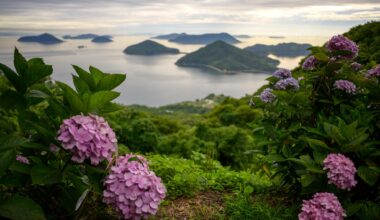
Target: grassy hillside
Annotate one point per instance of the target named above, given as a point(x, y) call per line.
point(227, 58)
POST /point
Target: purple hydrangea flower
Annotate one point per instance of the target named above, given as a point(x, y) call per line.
point(132, 188)
point(267, 96)
point(22, 159)
point(346, 86)
point(310, 63)
point(288, 83)
point(340, 42)
point(282, 73)
point(87, 137)
point(340, 171)
point(323, 206)
point(374, 72)
point(356, 66)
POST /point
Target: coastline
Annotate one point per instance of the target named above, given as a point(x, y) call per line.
point(221, 70)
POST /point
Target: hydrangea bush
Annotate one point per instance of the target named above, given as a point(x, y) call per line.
point(61, 147)
point(321, 133)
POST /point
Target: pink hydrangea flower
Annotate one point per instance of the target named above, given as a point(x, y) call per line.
point(22, 159)
point(132, 188)
point(87, 137)
point(340, 42)
point(340, 171)
point(346, 86)
point(282, 73)
point(267, 96)
point(323, 206)
point(310, 63)
point(374, 72)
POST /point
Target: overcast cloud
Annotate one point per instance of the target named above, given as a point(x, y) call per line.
point(282, 17)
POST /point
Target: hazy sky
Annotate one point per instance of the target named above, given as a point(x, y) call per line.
point(257, 17)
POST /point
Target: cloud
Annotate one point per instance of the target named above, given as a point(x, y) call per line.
point(125, 16)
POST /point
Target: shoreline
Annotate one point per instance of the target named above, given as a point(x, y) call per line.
point(221, 70)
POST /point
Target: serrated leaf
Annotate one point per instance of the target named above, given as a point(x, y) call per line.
point(85, 76)
point(21, 208)
point(368, 175)
point(97, 75)
point(43, 175)
point(110, 81)
point(13, 78)
point(98, 99)
point(80, 85)
point(20, 63)
point(37, 72)
point(73, 98)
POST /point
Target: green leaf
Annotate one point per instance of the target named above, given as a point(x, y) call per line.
point(80, 85)
point(320, 53)
point(248, 190)
point(21, 208)
point(97, 75)
point(367, 174)
point(11, 99)
point(317, 144)
point(110, 81)
point(6, 160)
point(20, 63)
point(85, 76)
point(307, 179)
point(73, 98)
point(37, 72)
point(98, 99)
point(43, 175)
point(13, 78)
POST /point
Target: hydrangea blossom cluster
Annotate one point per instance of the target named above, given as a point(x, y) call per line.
point(340, 171)
point(356, 66)
point(346, 86)
point(267, 96)
point(87, 137)
point(288, 83)
point(282, 73)
point(310, 63)
point(339, 42)
point(22, 159)
point(374, 72)
point(323, 206)
point(132, 188)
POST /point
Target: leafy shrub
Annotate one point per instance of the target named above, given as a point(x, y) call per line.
point(334, 110)
point(186, 177)
point(39, 178)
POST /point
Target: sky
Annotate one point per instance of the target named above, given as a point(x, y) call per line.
point(253, 17)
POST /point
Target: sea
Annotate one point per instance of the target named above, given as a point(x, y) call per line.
point(151, 80)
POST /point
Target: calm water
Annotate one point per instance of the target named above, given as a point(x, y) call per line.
point(151, 80)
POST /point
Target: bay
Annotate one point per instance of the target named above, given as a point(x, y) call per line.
point(151, 80)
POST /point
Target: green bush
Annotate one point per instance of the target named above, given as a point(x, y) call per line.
point(32, 109)
point(300, 128)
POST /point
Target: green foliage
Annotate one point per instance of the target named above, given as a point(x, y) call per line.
point(225, 57)
point(300, 128)
point(244, 207)
point(186, 177)
point(368, 38)
point(32, 108)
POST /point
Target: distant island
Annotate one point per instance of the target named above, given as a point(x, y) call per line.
point(282, 49)
point(102, 39)
point(149, 47)
point(276, 37)
point(205, 38)
point(169, 36)
point(224, 57)
point(42, 39)
point(81, 36)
